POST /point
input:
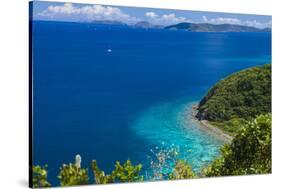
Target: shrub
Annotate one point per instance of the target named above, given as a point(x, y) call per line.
point(100, 176)
point(182, 171)
point(39, 177)
point(249, 152)
point(122, 173)
point(73, 174)
point(127, 172)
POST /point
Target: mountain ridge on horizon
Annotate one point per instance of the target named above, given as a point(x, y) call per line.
point(207, 27)
point(187, 26)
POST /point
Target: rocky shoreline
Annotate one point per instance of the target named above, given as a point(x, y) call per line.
point(204, 124)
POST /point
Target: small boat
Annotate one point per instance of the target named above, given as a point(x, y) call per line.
point(109, 50)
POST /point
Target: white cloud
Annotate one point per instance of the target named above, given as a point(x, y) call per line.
point(87, 13)
point(257, 24)
point(223, 20)
point(165, 19)
point(151, 15)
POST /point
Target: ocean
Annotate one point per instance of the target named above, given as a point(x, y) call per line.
point(113, 92)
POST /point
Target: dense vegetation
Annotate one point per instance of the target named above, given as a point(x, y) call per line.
point(73, 174)
point(182, 170)
point(40, 177)
point(239, 97)
point(244, 94)
point(249, 152)
point(122, 173)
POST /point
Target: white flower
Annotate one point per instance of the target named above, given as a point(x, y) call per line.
point(78, 160)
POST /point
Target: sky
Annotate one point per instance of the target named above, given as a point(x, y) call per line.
point(74, 12)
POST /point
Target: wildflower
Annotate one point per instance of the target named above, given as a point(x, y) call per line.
point(78, 160)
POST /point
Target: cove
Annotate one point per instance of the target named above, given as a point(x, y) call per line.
point(170, 124)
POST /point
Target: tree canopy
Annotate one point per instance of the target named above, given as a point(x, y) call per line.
point(244, 94)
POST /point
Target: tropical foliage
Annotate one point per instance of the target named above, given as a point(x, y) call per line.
point(122, 173)
point(249, 152)
point(127, 172)
point(231, 126)
point(100, 176)
point(73, 174)
point(244, 94)
point(70, 175)
point(182, 170)
point(40, 177)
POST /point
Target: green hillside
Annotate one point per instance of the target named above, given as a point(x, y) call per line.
point(241, 96)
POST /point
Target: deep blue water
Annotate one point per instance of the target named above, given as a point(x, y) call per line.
point(118, 105)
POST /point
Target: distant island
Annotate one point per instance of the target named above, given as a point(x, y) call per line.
point(146, 25)
point(191, 27)
point(206, 27)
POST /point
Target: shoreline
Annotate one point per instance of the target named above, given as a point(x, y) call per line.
point(205, 125)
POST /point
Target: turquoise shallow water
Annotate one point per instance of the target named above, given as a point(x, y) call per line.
point(170, 124)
